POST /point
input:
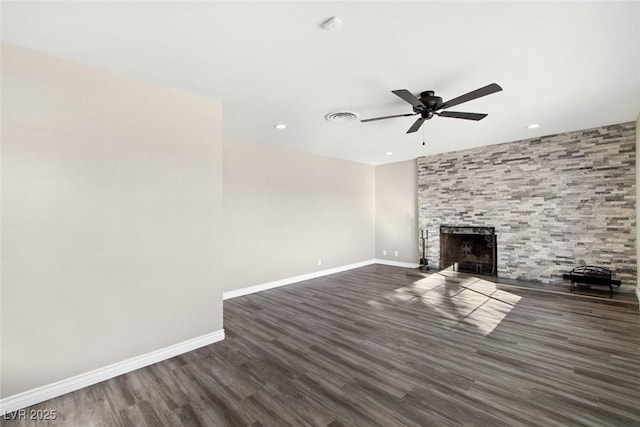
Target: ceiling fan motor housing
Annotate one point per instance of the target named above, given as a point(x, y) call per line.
point(430, 102)
point(429, 99)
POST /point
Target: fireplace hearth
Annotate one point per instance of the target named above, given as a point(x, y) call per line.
point(469, 249)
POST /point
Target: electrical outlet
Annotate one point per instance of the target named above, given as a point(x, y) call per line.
point(319, 262)
point(396, 253)
point(384, 252)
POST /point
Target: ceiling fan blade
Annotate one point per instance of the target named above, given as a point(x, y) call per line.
point(416, 125)
point(387, 117)
point(409, 97)
point(461, 115)
point(478, 93)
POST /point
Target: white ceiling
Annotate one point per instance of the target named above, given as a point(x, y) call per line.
point(566, 65)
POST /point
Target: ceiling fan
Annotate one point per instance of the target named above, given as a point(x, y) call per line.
point(429, 105)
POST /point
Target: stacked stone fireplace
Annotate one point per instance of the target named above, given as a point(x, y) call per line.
point(554, 202)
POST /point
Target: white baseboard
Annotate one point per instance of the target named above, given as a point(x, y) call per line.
point(49, 391)
point(397, 263)
point(294, 279)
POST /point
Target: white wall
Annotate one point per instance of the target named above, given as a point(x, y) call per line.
point(397, 211)
point(111, 196)
point(284, 210)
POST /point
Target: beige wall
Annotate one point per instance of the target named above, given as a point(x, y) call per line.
point(284, 210)
point(397, 212)
point(111, 196)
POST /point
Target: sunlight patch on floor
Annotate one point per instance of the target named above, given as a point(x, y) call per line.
point(425, 284)
point(476, 303)
point(401, 295)
point(375, 305)
point(482, 285)
point(447, 314)
point(487, 319)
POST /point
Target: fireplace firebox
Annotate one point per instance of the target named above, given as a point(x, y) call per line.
point(469, 249)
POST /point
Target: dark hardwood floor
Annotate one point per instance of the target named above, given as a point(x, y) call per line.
point(624, 295)
point(375, 347)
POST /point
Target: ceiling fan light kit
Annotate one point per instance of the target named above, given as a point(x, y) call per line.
point(429, 105)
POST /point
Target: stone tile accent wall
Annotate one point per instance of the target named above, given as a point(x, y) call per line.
point(555, 201)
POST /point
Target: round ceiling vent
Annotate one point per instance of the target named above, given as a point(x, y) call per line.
point(342, 116)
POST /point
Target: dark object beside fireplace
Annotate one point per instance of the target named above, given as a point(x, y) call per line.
point(469, 249)
point(592, 275)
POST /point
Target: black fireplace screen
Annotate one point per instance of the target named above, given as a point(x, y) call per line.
point(468, 249)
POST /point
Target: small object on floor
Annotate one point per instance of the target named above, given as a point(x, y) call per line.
point(592, 275)
point(424, 236)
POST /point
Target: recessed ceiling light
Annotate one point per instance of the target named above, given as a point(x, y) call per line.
point(388, 153)
point(534, 125)
point(280, 126)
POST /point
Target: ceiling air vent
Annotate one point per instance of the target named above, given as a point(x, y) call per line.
point(342, 116)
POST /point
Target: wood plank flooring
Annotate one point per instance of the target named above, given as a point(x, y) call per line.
point(375, 347)
point(624, 295)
